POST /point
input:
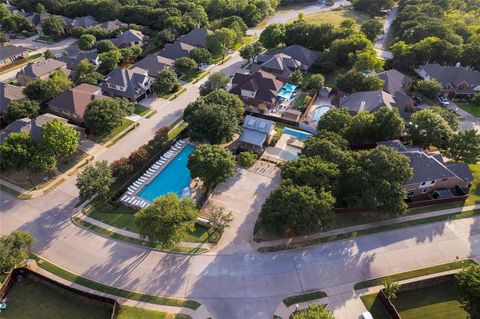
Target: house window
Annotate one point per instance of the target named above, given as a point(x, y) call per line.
point(423, 183)
point(424, 190)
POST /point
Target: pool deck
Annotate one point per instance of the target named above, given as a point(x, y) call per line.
point(157, 172)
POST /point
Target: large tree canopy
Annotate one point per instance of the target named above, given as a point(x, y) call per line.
point(15, 248)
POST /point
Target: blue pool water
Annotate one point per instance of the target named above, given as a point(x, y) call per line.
point(289, 87)
point(298, 134)
point(319, 112)
point(174, 178)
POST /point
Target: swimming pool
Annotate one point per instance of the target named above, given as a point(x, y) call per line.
point(298, 134)
point(174, 178)
point(319, 112)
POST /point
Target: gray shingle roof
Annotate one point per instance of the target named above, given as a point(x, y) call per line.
point(264, 83)
point(129, 78)
point(370, 101)
point(197, 37)
point(75, 100)
point(461, 170)
point(176, 50)
point(129, 36)
point(452, 74)
point(394, 80)
point(111, 25)
point(30, 126)
point(85, 21)
point(306, 56)
point(9, 52)
point(37, 69)
point(154, 64)
point(9, 93)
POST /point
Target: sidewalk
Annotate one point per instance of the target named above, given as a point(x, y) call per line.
point(289, 241)
point(130, 234)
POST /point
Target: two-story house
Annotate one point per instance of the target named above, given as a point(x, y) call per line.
point(257, 88)
point(134, 84)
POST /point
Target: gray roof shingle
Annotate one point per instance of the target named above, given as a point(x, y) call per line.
point(154, 64)
point(452, 74)
point(176, 50)
point(40, 68)
point(197, 37)
point(10, 52)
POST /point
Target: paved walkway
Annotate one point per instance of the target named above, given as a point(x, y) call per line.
point(300, 239)
point(130, 234)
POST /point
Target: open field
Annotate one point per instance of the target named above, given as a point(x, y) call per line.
point(41, 300)
point(336, 17)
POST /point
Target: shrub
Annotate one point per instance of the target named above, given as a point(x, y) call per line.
point(247, 159)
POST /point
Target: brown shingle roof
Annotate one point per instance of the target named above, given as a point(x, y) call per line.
point(264, 83)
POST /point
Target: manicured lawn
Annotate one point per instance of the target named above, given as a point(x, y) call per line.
point(141, 110)
point(303, 298)
point(123, 217)
point(192, 75)
point(299, 101)
point(48, 39)
point(375, 306)
point(140, 313)
point(102, 139)
point(112, 290)
point(415, 273)
point(246, 40)
point(72, 160)
point(474, 195)
point(335, 17)
point(470, 108)
point(41, 300)
point(441, 301)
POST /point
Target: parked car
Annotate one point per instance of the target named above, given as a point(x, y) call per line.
point(366, 315)
point(418, 100)
point(443, 100)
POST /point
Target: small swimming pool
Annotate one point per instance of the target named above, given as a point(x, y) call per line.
point(319, 112)
point(298, 134)
point(174, 178)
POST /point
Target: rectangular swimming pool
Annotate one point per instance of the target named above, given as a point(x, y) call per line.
point(298, 134)
point(174, 178)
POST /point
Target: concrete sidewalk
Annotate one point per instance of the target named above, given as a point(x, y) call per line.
point(130, 234)
point(338, 231)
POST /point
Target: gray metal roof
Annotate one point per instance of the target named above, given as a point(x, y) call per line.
point(255, 130)
point(253, 137)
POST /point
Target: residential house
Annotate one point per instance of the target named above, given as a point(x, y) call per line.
point(72, 60)
point(8, 94)
point(86, 21)
point(398, 85)
point(430, 172)
point(33, 127)
point(256, 134)
point(10, 55)
point(176, 50)
point(40, 70)
point(197, 37)
point(284, 61)
point(154, 63)
point(72, 104)
point(257, 88)
point(36, 20)
point(134, 83)
point(370, 101)
point(111, 26)
point(457, 81)
point(129, 38)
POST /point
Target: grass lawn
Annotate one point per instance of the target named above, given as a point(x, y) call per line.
point(44, 264)
point(246, 40)
point(474, 195)
point(48, 39)
point(72, 160)
point(415, 273)
point(41, 300)
point(102, 139)
point(300, 100)
point(122, 217)
point(470, 108)
point(141, 110)
point(441, 301)
point(331, 78)
point(303, 298)
point(374, 306)
point(335, 17)
point(192, 75)
point(140, 313)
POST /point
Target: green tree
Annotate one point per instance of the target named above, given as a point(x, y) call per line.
point(220, 40)
point(219, 220)
point(201, 56)
point(60, 80)
point(273, 35)
point(109, 60)
point(54, 26)
point(372, 29)
point(59, 139)
point(354, 81)
point(391, 288)
point(22, 108)
point(428, 128)
point(247, 159)
point(362, 128)
point(165, 82)
point(16, 151)
point(373, 7)
point(95, 179)
point(184, 65)
point(217, 80)
point(43, 160)
point(314, 82)
point(105, 46)
point(15, 248)
point(127, 106)
point(312, 171)
point(471, 55)
point(368, 61)
point(465, 147)
point(448, 115)
point(167, 220)
point(341, 50)
point(429, 88)
point(328, 151)
point(85, 73)
point(212, 164)
point(86, 42)
point(313, 311)
point(476, 100)
point(297, 209)
point(41, 90)
point(336, 120)
point(102, 116)
point(3, 38)
point(250, 51)
point(468, 281)
point(296, 77)
point(388, 124)
point(40, 8)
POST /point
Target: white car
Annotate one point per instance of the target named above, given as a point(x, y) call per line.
point(366, 315)
point(443, 100)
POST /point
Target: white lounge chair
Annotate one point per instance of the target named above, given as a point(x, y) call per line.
point(131, 200)
point(137, 184)
point(151, 171)
point(144, 204)
point(155, 166)
point(141, 180)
